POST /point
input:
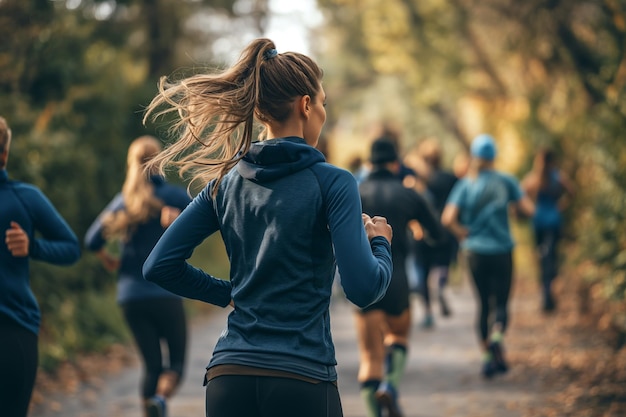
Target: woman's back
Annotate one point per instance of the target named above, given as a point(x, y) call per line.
point(285, 216)
point(547, 212)
point(484, 202)
point(281, 258)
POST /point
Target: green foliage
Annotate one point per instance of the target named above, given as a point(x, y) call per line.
point(604, 191)
point(79, 321)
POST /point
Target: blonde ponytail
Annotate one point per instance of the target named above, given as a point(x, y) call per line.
point(216, 112)
point(140, 204)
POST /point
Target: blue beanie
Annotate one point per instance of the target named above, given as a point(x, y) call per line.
point(483, 147)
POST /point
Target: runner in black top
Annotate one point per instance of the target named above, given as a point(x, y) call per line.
point(435, 261)
point(383, 327)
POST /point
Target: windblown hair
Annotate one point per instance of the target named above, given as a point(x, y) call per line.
point(543, 165)
point(216, 112)
point(140, 204)
point(5, 137)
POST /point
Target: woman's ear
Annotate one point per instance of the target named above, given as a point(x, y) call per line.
point(304, 106)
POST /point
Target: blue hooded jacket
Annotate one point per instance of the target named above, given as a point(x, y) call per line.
point(25, 204)
point(285, 215)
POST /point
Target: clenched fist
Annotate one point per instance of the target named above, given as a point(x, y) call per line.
point(17, 240)
point(377, 226)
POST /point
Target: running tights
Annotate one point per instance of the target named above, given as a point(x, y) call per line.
point(265, 396)
point(492, 276)
point(547, 241)
point(18, 367)
point(151, 321)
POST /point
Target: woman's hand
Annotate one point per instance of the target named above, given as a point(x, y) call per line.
point(109, 262)
point(168, 215)
point(377, 226)
point(450, 219)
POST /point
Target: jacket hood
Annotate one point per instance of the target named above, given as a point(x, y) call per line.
point(276, 158)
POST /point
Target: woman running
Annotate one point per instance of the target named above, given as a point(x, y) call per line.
point(551, 190)
point(285, 217)
point(24, 212)
point(135, 219)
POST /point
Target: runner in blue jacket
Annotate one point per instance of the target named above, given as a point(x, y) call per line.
point(552, 191)
point(24, 210)
point(135, 219)
point(285, 216)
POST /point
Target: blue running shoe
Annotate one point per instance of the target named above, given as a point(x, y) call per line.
point(387, 397)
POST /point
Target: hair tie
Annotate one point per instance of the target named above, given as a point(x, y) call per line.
point(270, 53)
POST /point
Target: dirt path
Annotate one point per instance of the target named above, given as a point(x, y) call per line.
point(442, 378)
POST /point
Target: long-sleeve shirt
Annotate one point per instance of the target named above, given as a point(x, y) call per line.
point(133, 252)
point(285, 216)
point(56, 243)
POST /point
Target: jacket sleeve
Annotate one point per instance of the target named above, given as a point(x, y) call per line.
point(58, 244)
point(365, 267)
point(94, 238)
point(167, 264)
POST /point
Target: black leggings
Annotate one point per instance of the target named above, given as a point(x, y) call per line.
point(547, 241)
point(265, 396)
point(150, 322)
point(18, 367)
point(429, 257)
point(493, 275)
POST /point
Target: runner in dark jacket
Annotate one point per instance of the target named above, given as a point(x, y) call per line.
point(435, 261)
point(134, 220)
point(24, 211)
point(285, 217)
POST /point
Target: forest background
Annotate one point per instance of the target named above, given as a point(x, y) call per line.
point(76, 74)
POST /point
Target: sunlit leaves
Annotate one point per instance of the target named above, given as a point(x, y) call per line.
point(386, 34)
